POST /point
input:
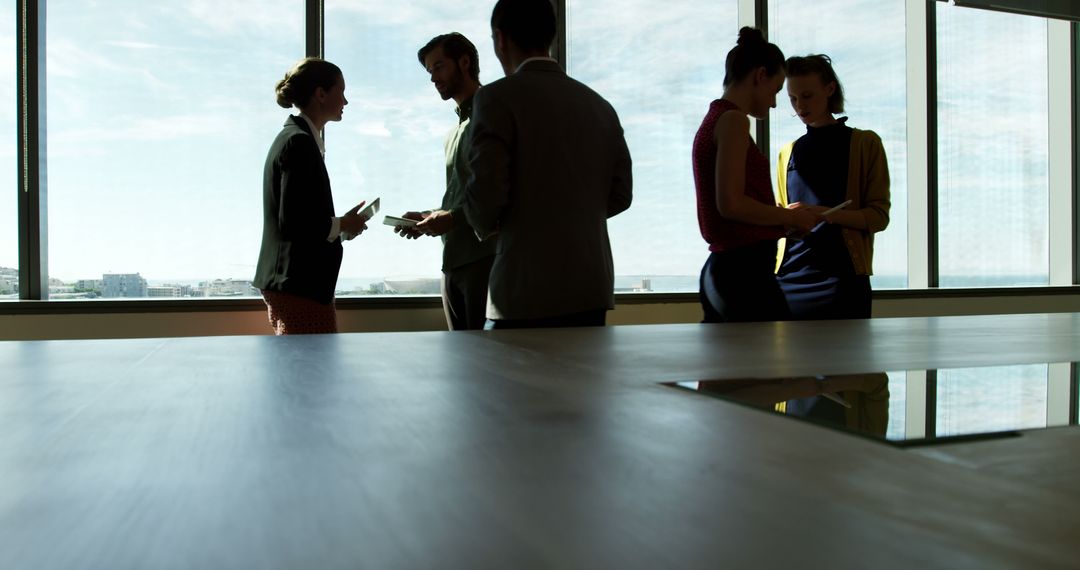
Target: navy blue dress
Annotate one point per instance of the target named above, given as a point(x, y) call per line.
point(817, 276)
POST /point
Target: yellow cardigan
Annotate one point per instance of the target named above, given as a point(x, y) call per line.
point(867, 188)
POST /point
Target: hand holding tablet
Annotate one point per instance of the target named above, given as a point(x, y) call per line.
point(837, 208)
point(354, 222)
point(396, 221)
point(370, 210)
point(833, 210)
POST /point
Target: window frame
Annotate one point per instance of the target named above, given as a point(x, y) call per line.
point(922, 179)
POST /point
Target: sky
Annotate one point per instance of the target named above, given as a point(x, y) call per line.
point(9, 247)
point(160, 115)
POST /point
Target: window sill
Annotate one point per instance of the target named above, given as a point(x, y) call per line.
point(393, 302)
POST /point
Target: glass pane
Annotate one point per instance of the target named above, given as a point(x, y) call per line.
point(159, 118)
point(992, 148)
point(660, 67)
point(9, 219)
point(977, 400)
point(866, 41)
point(390, 143)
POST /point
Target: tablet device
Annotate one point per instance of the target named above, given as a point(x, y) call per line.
point(836, 208)
point(396, 221)
point(370, 210)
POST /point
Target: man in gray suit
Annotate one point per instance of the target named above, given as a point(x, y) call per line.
point(549, 166)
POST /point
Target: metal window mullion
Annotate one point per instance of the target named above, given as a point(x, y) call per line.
point(931, 425)
point(314, 33)
point(314, 30)
point(750, 12)
point(1059, 393)
point(561, 48)
point(915, 405)
point(761, 21)
point(32, 199)
point(918, 144)
point(933, 223)
point(1060, 132)
point(1074, 394)
point(1075, 69)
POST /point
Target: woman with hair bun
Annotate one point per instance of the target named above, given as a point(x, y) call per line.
point(826, 274)
point(301, 241)
point(737, 213)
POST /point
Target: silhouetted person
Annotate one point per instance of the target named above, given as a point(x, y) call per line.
point(301, 241)
point(826, 274)
point(549, 166)
point(736, 209)
point(453, 64)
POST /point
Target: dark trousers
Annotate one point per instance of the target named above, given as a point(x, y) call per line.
point(738, 285)
point(850, 297)
point(586, 319)
point(464, 294)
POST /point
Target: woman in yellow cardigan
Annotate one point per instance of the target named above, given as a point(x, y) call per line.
point(826, 274)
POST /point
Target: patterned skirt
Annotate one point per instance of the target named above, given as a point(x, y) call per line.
point(292, 314)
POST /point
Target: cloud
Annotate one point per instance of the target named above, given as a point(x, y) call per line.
point(141, 129)
point(373, 129)
point(134, 45)
point(256, 17)
point(449, 15)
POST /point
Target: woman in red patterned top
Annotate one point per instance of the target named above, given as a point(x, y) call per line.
point(737, 213)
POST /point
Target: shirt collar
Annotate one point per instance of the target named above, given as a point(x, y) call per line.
point(538, 58)
point(315, 133)
point(464, 110)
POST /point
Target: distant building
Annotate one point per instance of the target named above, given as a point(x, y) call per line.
point(173, 290)
point(163, 291)
point(644, 286)
point(90, 285)
point(123, 285)
point(376, 289)
point(9, 281)
point(227, 288)
point(419, 286)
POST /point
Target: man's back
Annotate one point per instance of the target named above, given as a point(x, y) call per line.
point(549, 165)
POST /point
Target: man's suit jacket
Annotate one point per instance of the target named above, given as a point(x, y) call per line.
point(549, 166)
point(297, 209)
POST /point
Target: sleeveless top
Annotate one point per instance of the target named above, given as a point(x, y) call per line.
point(721, 233)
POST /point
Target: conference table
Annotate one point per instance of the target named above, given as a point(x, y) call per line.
point(560, 448)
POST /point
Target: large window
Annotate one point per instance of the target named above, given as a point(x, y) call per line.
point(9, 219)
point(159, 118)
point(992, 148)
point(660, 67)
point(865, 39)
point(390, 142)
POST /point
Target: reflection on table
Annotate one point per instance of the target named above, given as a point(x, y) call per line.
point(856, 402)
point(917, 406)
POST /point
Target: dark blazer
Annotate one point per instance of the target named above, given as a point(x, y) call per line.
point(297, 209)
point(549, 166)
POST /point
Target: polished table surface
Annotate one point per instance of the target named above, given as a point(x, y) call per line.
point(513, 449)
